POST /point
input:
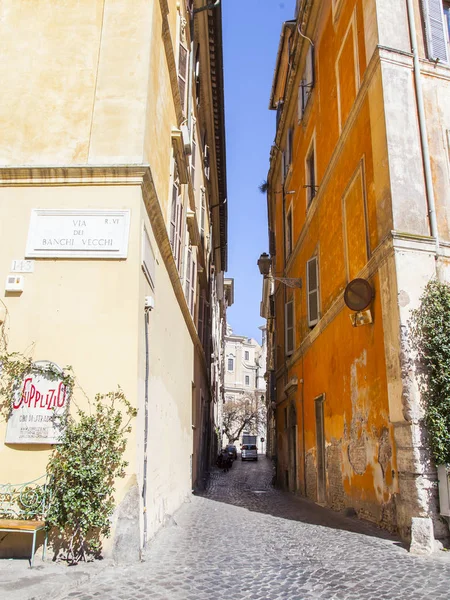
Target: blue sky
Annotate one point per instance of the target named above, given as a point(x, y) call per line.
point(251, 32)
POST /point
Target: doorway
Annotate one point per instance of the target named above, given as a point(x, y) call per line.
point(320, 449)
point(292, 445)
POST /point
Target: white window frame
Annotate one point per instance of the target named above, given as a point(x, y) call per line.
point(436, 30)
point(190, 278)
point(202, 212)
point(310, 292)
point(176, 224)
point(193, 153)
point(247, 380)
point(289, 328)
point(206, 161)
point(230, 358)
point(246, 355)
point(183, 76)
point(446, 13)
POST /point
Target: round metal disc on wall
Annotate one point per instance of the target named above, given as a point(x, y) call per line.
point(358, 294)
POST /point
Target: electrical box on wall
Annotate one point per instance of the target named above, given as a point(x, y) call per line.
point(14, 283)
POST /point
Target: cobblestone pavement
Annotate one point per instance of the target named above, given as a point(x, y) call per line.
point(244, 540)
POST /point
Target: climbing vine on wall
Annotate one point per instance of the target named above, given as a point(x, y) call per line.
point(431, 334)
point(82, 471)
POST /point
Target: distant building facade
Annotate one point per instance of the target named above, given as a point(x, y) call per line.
point(358, 189)
point(245, 368)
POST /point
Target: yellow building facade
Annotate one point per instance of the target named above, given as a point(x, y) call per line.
point(356, 170)
point(113, 218)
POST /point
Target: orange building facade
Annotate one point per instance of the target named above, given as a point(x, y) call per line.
point(358, 188)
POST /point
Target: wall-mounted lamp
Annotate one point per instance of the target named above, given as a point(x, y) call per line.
point(265, 262)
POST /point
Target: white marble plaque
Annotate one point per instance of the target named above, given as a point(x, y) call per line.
point(78, 233)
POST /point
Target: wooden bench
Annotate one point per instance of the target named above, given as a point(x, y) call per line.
point(22, 510)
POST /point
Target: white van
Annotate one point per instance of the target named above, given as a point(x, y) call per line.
point(249, 452)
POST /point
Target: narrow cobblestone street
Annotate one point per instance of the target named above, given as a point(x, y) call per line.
point(244, 540)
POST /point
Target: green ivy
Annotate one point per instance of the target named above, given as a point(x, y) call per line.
point(431, 335)
point(82, 471)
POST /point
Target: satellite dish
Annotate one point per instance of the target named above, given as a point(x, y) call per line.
point(358, 294)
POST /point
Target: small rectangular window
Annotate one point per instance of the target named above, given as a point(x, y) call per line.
point(312, 286)
point(201, 316)
point(206, 161)
point(247, 355)
point(289, 232)
point(187, 279)
point(183, 64)
point(310, 175)
point(289, 327)
point(287, 154)
point(306, 84)
point(247, 380)
point(202, 214)
point(447, 24)
point(193, 155)
point(176, 225)
point(230, 364)
point(435, 16)
point(193, 282)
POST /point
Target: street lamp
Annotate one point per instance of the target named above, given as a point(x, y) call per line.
point(264, 263)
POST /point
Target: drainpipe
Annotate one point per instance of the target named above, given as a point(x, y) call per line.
point(144, 484)
point(423, 130)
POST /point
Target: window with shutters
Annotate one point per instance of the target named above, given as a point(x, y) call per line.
point(202, 214)
point(306, 84)
point(190, 280)
point(197, 75)
point(176, 224)
point(437, 25)
point(201, 315)
point(193, 286)
point(289, 232)
point(193, 156)
point(312, 288)
point(206, 159)
point(287, 154)
point(289, 327)
point(310, 174)
point(447, 25)
point(183, 64)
